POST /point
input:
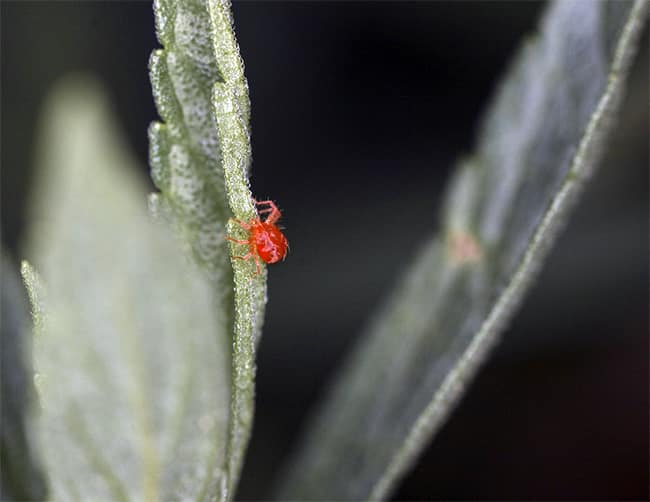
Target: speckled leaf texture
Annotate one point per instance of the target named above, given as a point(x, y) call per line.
point(20, 473)
point(540, 140)
point(200, 156)
point(131, 357)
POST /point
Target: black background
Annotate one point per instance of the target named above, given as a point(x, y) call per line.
point(359, 111)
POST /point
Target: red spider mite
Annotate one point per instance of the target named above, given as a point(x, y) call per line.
point(265, 240)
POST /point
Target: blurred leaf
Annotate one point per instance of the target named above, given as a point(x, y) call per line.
point(21, 477)
point(539, 143)
point(132, 356)
point(200, 159)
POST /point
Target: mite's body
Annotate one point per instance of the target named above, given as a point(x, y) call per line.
point(265, 240)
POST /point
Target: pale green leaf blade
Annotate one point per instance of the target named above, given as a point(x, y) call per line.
point(184, 150)
point(132, 357)
point(231, 108)
point(200, 160)
point(250, 289)
point(229, 60)
point(539, 142)
point(20, 473)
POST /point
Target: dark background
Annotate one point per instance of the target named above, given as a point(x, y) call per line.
point(359, 112)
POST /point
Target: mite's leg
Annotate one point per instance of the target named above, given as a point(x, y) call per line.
point(274, 212)
point(245, 226)
point(237, 241)
point(272, 207)
point(257, 266)
point(247, 257)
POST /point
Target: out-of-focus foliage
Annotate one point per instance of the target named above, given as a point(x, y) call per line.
point(131, 357)
point(540, 141)
point(21, 477)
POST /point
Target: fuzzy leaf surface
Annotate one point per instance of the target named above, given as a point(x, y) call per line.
point(539, 142)
point(231, 109)
point(131, 356)
point(200, 160)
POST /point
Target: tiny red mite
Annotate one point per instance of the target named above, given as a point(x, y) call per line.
point(265, 240)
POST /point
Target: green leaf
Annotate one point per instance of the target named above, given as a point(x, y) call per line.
point(231, 109)
point(21, 477)
point(200, 160)
point(131, 355)
point(184, 150)
point(540, 140)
